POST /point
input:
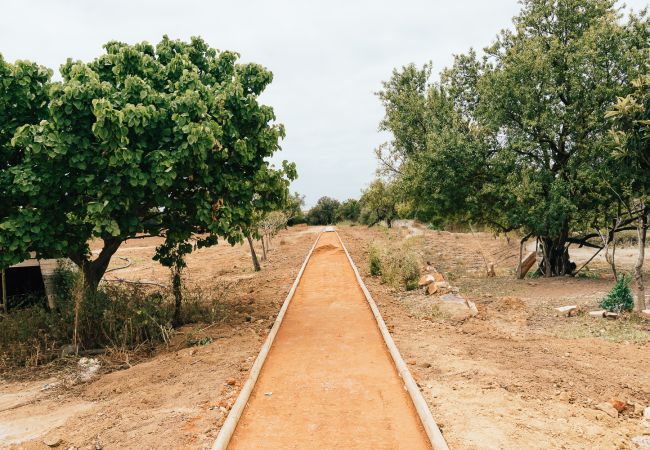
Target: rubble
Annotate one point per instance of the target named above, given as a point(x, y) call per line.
point(569, 310)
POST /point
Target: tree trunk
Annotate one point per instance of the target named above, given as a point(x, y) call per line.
point(93, 270)
point(520, 272)
point(256, 263)
point(263, 249)
point(556, 260)
point(178, 297)
point(642, 232)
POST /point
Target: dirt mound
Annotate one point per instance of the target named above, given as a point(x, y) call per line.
point(326, 248)
point(506, 304)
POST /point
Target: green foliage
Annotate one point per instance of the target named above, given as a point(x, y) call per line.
point(24, 97)
point(397, 267)
point(631, 135)
point(324, 212)
point(167, 139)
point(378, 204)
point(194, 342)
point(350, 210)
point(374, 261)
point(620, 297)
point(293, 209)
point(518, 139)
point(124, 317)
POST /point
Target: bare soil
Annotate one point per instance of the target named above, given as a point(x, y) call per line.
point(519, 375)
point(329, 381)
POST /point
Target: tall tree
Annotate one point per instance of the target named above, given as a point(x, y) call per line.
point(144, 140)
point(514, 139)
point(378, 204)
point(24, 99)
point(631, 135)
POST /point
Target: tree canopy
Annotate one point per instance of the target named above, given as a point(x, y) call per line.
point(324, 212)
point(518, 138)
point(144, 140)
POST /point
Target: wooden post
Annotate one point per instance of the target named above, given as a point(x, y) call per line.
point(4, 292)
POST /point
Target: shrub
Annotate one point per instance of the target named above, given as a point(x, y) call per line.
point(620, 297)
point(121, 316)
point(374, 261)
point(410, 270)
point(399, 267)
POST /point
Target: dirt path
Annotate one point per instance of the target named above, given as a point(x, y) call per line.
point(329, 381)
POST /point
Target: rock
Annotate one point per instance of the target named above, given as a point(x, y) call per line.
point(646, 413)
point(425, 365)
point(564, 396)
point(599, 313)
point(645, 313)
point(608, 409)
point(54, 441)
point(638, 410)
point(231, 381)
point(438, 277)
point(472, 307)
point(426, 280)
point(411, 362)
point(432, 289)
point(248, 318)
point(610, 315)
point(569, 310)
point(88, 367)
point(617, 404)
point(453, 298)
point(642, 442)
point(456, 307)
point(442, 284)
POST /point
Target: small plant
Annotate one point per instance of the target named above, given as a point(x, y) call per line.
point(374, 261)
point(591, 274)
point(620, 297)
point(410, 272)
point(194, 342)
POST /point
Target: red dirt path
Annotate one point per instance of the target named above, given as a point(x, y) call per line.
point(329, 381)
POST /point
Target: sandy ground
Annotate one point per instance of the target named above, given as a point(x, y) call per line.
point(329, 381)
point(516, 376)
point(505, 379)
point(179, 397)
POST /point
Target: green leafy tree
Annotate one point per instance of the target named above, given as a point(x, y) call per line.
point(350, 210)
point(378, 204)
point(324, 212)
point(516, 139)
point(293, 209)
point(631, 136)
point(271, 195)
point(24, 99)
point(144, 140)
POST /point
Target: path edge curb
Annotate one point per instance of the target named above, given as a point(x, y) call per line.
point(428, 422)
point(229, 425)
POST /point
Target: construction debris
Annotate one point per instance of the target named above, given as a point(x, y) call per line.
point(426, 280)
point(569, 310)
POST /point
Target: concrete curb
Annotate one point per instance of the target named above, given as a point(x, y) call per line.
point(435, 436)
point(229, 425)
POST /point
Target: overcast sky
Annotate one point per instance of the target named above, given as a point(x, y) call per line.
point(328, 58)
